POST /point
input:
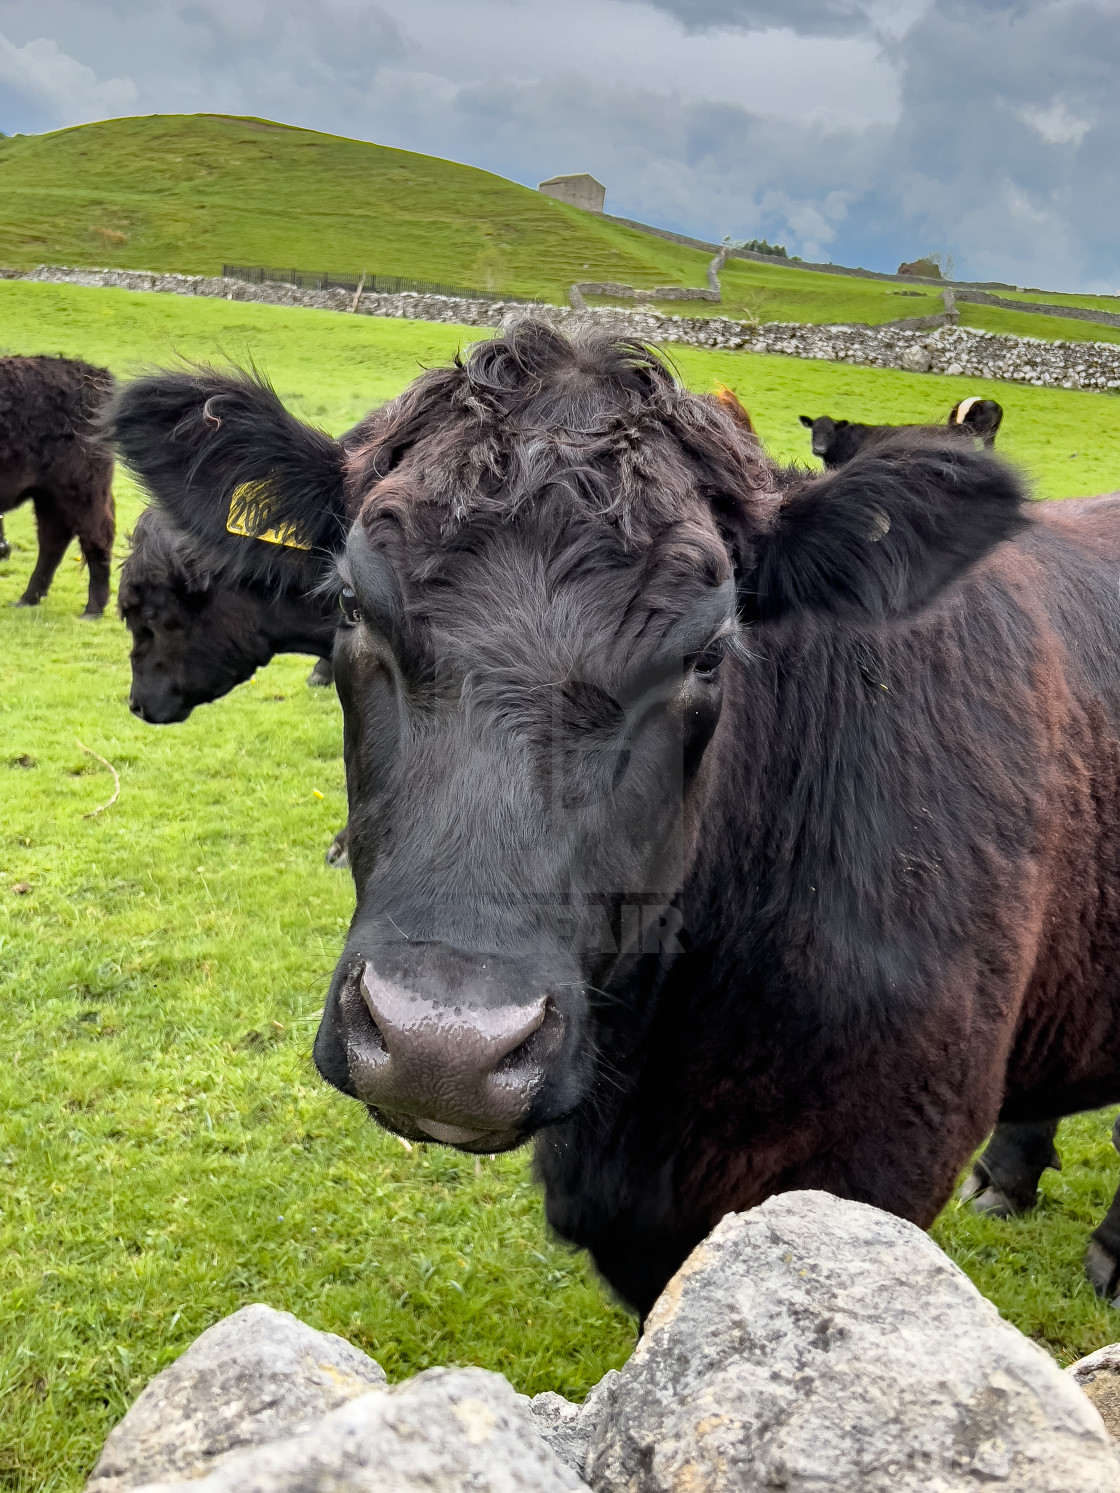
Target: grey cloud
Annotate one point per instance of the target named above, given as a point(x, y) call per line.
point(814, 17)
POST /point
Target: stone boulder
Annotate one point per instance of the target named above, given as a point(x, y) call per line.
point(916, 359)
point(252, 1378)
point(445, 1431)
point(567, 1427)
point(815, 1344)
point(1099, 1377)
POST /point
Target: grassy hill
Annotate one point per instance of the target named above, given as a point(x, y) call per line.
point(191, 192)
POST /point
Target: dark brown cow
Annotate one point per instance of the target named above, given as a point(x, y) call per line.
point(48, 455)
point(729, 830)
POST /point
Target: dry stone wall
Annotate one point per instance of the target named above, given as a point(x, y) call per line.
point(947, 349)
point(811, 1344)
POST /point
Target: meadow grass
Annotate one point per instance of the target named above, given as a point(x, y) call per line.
point(167, 1150)
point(1028, 324)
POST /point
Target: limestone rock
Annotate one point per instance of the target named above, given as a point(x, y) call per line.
point(1099, 1376)
point(916, 359)
point(814, 1344)
point(446, 1431)
point(569, 1428)
point(255, 1376)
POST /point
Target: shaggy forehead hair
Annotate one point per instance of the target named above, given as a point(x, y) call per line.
point(535, 412)
point(160, 556)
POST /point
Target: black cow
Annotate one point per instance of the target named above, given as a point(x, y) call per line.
point(730, 830)
point(5, 547)
point(195, 636)
point(837, 441)
point(49, 455)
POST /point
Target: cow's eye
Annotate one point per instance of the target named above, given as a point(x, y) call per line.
point(349, 604)
point(707, 661)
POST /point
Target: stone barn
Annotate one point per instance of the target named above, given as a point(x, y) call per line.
point(581, 191)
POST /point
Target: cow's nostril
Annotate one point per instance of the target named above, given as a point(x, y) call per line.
point(372, 1033)
point(541, 1044)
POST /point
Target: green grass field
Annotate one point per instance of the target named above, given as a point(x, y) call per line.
point(191, 192)
point(166, 1149)
point(1061, 298)
point(1027, 324)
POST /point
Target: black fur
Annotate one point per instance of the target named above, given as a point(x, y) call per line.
point(197, 634)
point(882, 539)
point(193, 438)
point(50, 457)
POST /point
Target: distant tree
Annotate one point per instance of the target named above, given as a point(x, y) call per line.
point(758, 246)
point(944, 263)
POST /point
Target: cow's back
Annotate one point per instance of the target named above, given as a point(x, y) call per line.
point(45, 403)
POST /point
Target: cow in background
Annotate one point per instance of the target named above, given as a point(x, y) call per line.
point(50, 456)
point(837, 441)
point(195, 636)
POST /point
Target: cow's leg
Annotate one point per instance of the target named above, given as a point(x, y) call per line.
point(338, 853)
point(1004, 1180)
point(321, 674)
point(1102, 1259)
point(99, 558)
point(95, 522)
point(5, 547)
point(54, 535)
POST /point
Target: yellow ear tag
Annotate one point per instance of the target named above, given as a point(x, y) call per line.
point(247, 493)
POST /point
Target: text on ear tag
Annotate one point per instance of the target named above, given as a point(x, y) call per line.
point(246, 494)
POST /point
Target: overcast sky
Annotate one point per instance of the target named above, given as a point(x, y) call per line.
point(862, 131)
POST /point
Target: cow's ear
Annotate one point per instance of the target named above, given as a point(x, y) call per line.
point(260, 493)
point(807, 421)
point(882, 535)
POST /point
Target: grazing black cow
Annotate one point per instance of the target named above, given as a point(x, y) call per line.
point(837, 441)
point(730, 830)
point(48, 454)
point(194, 636)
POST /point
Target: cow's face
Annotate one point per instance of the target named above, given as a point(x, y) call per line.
point(527, 704)
point(189, 645)
point(825, 430)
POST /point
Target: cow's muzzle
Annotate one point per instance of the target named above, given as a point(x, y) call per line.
point(474, 1066)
